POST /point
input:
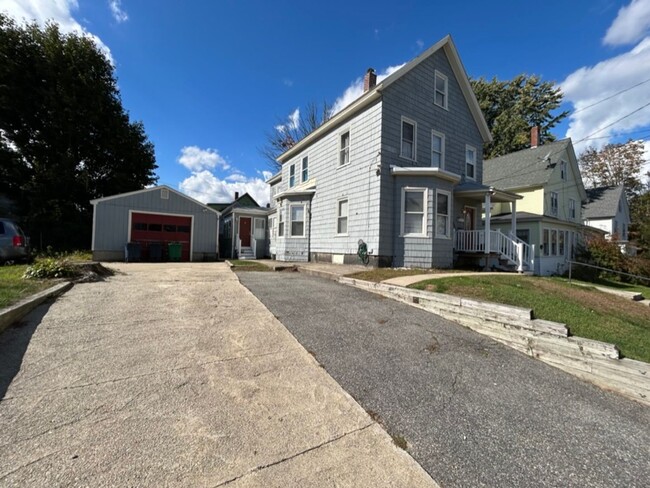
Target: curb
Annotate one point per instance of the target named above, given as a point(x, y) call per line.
point(17, 311)
point(321, 274)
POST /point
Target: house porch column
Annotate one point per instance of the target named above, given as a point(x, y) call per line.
point(488, 216)
point(513, 222)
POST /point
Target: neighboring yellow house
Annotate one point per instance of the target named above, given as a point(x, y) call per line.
point(548, 217)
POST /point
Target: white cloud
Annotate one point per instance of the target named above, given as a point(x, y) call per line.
point(631, 24)
point(206, 187)
point(59, 11)
point(287, 82)
point(591, 84)
point(116, 9)
point(419, 43)
point(293, 121)
point(355, 90)
point(196, 159)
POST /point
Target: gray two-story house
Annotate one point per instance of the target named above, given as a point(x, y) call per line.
point(399, 169)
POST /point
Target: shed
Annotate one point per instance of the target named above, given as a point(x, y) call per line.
point(150, 217)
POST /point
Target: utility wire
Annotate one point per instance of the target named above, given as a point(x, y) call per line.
point(610, 97)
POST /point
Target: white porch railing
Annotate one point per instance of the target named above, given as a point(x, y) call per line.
point(515, 250)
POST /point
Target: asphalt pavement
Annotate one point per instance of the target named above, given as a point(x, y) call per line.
point(471, 411)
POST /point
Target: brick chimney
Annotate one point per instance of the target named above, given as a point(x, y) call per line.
point(534, 136)
point(369, 80)
point(236, 195)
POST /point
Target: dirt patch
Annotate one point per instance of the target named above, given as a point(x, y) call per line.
point(91, 272)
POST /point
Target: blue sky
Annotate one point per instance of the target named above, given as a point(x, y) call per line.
point(209, 78)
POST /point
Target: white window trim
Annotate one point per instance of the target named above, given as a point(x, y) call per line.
point(467, 146)
point(282, 221)
point(572, 209)
point(435, 90)
point(449, 212)
point(292, 167)
point(554, 210)
point(425, 207)
point(302, 167)
point(415, 138)
point(304, 221)
point(564, 167)
point(338, 202)
point(442, 148)
point(340, 136)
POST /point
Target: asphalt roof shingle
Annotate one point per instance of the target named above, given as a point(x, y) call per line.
point(525, 168)
point(603, 202)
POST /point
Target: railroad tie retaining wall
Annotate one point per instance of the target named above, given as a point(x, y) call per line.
point(594, 361)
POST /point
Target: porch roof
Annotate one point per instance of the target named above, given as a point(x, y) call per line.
point(472, 189)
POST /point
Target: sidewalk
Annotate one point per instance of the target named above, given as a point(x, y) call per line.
point(176, 375)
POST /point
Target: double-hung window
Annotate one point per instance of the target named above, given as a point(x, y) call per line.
point(297, 221)
point(281, 222)
point(546, 242)
point(342, 217)
point(272, 228)
point(344, 149)
point(470, 162)
point(437, 150)
point(414, 212)
point(259, 228)
point(440, 96)
point(553, 242)
point(554, 203)
point(572, 208)
point(561, 237)
point(443, 212)
point(305, 168)
point(292, 176)
point(409, 138)
point(563, 170)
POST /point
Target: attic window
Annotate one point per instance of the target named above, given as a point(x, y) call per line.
point(164, 194)
point(440, 90)
point(563, 170)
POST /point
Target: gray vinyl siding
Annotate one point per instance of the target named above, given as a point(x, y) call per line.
point(422, 252)
point(112, 222)
point(357, 182)
point(412, 97)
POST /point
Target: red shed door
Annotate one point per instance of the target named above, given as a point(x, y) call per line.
point(148, 228)
point(245, 231)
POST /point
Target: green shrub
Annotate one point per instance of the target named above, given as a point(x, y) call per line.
point(606, 254)
point(50, 268)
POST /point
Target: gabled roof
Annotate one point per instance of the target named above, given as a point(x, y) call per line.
point(603, 202)
point(373, 94)
point(219, 207)
point(244, 201)
point(526, 168)
point(154, 188)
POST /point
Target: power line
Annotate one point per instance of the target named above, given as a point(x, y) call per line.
point(610, 97)
point(614, 123)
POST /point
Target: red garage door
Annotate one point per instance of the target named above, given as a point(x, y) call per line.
point(148, 228)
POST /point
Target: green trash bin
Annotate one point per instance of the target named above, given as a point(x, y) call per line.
point(174, 251)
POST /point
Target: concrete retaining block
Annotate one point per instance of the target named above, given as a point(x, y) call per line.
point(593, 361)
point(17, 311)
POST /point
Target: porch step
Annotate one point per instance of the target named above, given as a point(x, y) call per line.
point(246, 253)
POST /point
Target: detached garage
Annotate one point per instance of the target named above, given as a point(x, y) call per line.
point(152, 219)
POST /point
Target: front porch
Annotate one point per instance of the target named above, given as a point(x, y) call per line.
point(487, 248)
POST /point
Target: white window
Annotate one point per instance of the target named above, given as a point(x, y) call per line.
point(440, 96)
point(553, 242)
point(409, 138)
point(344, 149)
point(470, 162)
point(342, 217)
point(547, 242)
point(443, 203)
point(164, 194)
point(292, 175)
point(554, 205)
point(272, 228)
point(563, 170)
point(281, 223)
point(560, 245)
point(414, 212)
point(437, 150)
point(572, 208)
point(297, 221)
point(305, 169)
point(259, 226)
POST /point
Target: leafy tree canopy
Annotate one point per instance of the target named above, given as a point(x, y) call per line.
point(512, 107)
point(287, 133)
point(64, 136)
point(614, 165)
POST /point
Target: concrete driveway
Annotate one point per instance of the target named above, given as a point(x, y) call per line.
point(176, 375)
point(473, 412)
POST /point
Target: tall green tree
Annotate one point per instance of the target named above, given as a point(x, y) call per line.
point(65, 137)
point(287, 133)
point(512, 107)
point(614, 165)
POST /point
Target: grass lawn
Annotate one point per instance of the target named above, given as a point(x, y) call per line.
point(587, 312)
point(380, 274)
point(248, 265)
point(644, 290)
point(13, 287)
